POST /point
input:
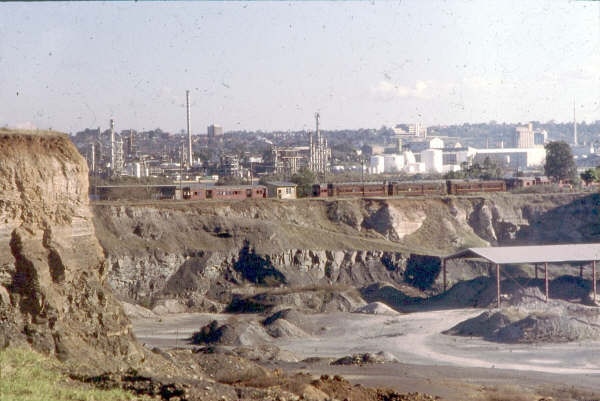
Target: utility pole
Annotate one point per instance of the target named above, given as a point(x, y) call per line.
point(362, 170)
point(189, 132)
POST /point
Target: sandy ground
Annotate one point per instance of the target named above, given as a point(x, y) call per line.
point(428, 360)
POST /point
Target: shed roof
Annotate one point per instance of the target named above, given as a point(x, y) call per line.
point(281, 184)
point(533, 254)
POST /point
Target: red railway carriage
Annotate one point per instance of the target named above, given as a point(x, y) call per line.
point(319, 191)
point(416, 188)
point(224, 192)
point(461, 187)
point(356, 189)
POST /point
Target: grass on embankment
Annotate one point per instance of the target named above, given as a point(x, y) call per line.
point(28, 376)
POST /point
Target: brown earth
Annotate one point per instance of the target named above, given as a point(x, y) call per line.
point(54, 296)
point(310, 255)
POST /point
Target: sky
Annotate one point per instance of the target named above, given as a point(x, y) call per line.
point(272, 65)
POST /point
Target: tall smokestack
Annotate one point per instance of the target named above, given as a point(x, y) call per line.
point(112, 146)
point(189, 132)
point(93, 163)
point(574, 126)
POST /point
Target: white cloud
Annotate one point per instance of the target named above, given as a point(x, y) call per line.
point(387, 90)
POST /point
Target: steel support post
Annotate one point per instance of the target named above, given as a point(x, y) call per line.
point(498, 284)
point(444, 274)
point(594, 278)
point(546, 278)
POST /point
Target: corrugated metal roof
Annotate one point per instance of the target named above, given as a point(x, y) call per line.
point(282, 184)
point(533, 254)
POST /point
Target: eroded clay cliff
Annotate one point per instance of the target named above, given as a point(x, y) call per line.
point(53, 292)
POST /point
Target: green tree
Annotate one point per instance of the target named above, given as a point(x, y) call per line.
point(560, 164)
point(304, 179)
point(589, 176)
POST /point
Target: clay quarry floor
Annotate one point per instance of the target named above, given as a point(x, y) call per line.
point(428, 361)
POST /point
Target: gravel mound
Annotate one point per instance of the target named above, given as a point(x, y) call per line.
point(136, 311)
point(281, 328)
point(233, 332)
point(265, 352)
point(366, 358)
point(288, 322)
point(376, 308)
point(320, 300)
point(532, 320)
point(484, 325)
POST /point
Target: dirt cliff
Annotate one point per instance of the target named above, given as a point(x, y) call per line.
point(53, 292)
point(203, 252)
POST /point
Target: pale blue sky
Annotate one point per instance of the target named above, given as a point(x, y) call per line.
point(270, 66)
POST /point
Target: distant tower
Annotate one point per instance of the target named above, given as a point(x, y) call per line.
point(574, 126)
point(93, 159)
point(130, 144)
point(189, 132)
point(319, 153)
point(112, 147)
point(116, 153)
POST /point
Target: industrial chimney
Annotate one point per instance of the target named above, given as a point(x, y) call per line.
point(112, 147)
point(189, 132)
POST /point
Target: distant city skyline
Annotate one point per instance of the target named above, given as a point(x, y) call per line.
point(271, 65)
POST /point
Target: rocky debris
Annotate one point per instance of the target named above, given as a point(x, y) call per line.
point(134, 311)
point(252, 381)
point(484, 325)
point(480, 292)
point(376, 308)
point(339, 388)
point(140, 385)
point(394, 223)
point(288, 323)
point(281, 328)
point(258, 353)
point(397, 297)
point(233, 332)
point(319, 299)
point(229, 368)
point(166, 306)
point(531, 320)
point(264, 353)
point(366, 358)
point(346, 212)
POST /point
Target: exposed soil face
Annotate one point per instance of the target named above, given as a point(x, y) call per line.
point(52, 269)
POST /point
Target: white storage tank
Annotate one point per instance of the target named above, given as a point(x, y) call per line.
point(376, 165)
point(433, 160)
